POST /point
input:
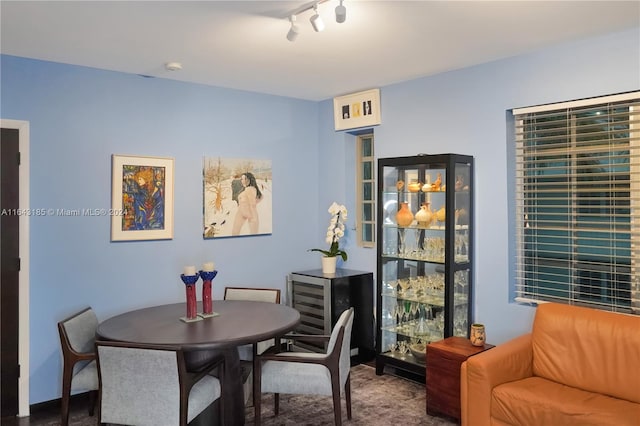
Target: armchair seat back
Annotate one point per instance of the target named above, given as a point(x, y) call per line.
point(588, 349)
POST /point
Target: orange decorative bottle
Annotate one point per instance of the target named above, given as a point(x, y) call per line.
point(404, 217)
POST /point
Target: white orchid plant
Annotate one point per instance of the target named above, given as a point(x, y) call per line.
point(335, 231)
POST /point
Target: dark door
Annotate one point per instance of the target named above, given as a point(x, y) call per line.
point(9, 264)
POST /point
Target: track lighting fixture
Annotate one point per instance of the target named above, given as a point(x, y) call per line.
point(316, 20)
point(292, 35)
point(341, 13)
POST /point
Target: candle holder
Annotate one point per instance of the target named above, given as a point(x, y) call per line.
point(190, 286)
point(207, 302)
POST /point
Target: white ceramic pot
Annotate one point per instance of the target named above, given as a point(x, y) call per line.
point(329, 264)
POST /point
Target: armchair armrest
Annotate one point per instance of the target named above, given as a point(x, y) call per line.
point(282, 356)
point(83, 356)
point(326, 359)
point(273, 354)
point(481, 373)
point(307, 337)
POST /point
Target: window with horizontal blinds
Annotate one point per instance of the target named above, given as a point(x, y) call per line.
point(578, 203)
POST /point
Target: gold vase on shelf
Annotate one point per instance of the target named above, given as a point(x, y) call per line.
point(414, 186)
point(404, 217)
point(441, 214)
point(435, 186)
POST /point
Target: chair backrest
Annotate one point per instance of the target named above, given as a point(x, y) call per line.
point(569, 340)
point(78, 331)
point(345, 320)
point(139, 384)
point(252, 294)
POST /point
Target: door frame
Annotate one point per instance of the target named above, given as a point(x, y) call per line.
point(23, 274)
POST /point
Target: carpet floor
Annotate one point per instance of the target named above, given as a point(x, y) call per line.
point(375, 400)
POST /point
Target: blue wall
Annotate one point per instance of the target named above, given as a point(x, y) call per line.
point(80, 116)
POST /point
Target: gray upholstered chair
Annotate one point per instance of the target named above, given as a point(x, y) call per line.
point(246, 352)
point(150, 385)
point(308, 373)
point(256, 295)
point(79, 372)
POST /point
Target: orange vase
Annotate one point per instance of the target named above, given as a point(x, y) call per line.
point(404, 217)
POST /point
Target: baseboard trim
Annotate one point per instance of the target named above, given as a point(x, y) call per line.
point(54, 404)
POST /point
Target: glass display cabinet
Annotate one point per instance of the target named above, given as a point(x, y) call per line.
point(425, 251)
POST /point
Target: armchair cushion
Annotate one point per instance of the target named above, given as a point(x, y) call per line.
point(86, 378)
point(81, 331)
point(544, 402)
point(296, 378)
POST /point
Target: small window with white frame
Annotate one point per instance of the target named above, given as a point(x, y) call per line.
point(366, 186)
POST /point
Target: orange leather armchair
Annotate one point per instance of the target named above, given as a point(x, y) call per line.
point(578, 366)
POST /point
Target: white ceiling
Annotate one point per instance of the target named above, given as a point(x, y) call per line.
point(242, 44)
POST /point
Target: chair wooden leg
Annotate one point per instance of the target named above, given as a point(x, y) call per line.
point(276, 403)
point(257, 391)
point(221, 403)
point(92, 402)
point(66, 395)
point(335, 391)
point(347, 395)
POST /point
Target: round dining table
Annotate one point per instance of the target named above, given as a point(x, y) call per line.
point(237, 323)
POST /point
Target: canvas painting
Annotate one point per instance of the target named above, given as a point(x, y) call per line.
point(237, 197)
point(142, 191)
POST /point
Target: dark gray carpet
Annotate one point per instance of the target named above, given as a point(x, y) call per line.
point(376, 400)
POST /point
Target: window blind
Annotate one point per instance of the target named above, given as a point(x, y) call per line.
point(578, 203)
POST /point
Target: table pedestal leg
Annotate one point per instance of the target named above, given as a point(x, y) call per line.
point(232, 388)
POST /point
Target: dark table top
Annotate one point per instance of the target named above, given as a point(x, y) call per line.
point(239, 323)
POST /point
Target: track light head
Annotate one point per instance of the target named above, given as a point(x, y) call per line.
point(316, 20)
point(341, 13)
point(292, 35)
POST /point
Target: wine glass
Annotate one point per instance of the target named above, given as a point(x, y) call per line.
point(393, 348)
point(403, 349)
point(405, 284)
point(401, 246)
